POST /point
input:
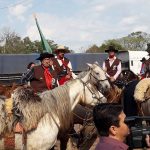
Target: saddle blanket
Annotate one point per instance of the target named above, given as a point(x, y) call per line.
point(11, 142)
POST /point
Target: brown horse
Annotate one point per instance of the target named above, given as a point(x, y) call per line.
point(6, 90)
point(125, 77)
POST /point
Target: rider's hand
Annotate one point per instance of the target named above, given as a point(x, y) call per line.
point(112, 79)
point(68, 76)
point(147, 139)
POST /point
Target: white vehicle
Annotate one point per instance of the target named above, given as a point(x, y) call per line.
point(131, 59)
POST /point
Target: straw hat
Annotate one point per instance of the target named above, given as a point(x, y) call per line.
point(61, 48)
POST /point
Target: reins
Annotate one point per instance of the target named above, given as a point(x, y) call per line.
point(98, 79)
point(93, 93)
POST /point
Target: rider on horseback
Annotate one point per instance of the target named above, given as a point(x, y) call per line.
point(112, 65)
point(147, 67)
point(147, 63)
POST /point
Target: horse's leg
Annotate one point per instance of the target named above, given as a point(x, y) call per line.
point(63, 142)
point(89, 134)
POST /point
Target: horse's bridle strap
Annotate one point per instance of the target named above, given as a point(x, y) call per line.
point(98, 79)
point(93, 94)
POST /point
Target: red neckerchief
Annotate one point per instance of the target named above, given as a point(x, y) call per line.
point(48, 77)
point(111, 56)
point(64, 63)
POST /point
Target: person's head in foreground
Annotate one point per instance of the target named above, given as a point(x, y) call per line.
point(109, 120)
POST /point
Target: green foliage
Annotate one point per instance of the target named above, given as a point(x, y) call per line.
point(93, 49)
point(104, 46)
point(148, 48)
point(13, 44)
point(112, 42)
point(134, 43)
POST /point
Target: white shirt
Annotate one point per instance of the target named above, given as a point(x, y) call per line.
point(111, 61)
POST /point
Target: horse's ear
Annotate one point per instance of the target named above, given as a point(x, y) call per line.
point(96, 63)
point(90, 65)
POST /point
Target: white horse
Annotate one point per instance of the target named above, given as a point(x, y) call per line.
point(42, 117)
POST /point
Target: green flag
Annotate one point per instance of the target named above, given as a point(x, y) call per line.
point(45, 44)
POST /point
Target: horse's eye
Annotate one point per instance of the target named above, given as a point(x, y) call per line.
point(97, 73)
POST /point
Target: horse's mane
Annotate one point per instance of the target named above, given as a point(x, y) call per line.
point(33, 107)
point(82, 74)
point(114, 94)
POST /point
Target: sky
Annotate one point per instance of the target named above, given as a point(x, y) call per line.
point(77, 24)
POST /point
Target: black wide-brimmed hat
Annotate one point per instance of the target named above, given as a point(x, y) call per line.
point(61, 48)
point(45, 55)
point(111, 49)
point(143, 59)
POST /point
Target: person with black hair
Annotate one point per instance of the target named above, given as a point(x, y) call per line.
point(30, 65)
point(109, 120)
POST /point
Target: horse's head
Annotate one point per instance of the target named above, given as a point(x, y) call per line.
point(2, 115)
point(126, 76)
point(93, 96)
point(98, 77)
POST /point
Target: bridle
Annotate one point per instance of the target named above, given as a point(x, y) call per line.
point(99, 87)
point(99, 80)
point(85, 84)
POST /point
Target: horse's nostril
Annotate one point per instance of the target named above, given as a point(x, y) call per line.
point(106, 87)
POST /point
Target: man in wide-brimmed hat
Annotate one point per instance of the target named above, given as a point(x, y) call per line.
point(63, 65)
point(142, 71)
point(112, 65)
point(146, 67)
point(42, 77)
point(143, 59)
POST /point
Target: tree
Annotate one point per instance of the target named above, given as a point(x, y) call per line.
point(135, 41)
point(148, 48)
point(93, 49)
point(104, 46)
point(10, 40)
point(12, 43)
point(112, 42)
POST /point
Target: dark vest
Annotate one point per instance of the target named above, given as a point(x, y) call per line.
point(38, 82)
point(112, 70)
point(61, 70)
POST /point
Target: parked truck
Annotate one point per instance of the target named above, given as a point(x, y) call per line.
point(131, 59)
